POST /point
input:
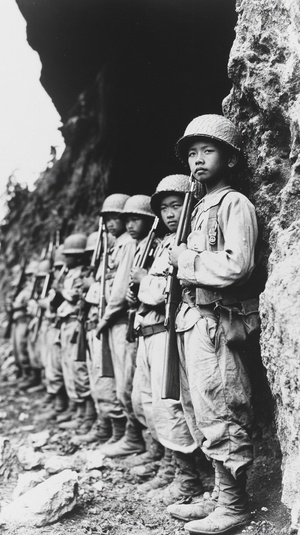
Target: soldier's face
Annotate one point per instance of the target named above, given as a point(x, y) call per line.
point(170, 210)
point(114, 224)
point(71, 260)
point(136, 226)
point(209, 161)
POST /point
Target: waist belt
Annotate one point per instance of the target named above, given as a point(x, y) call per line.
point(149, 330)
point(189, 297)
point(67, 319)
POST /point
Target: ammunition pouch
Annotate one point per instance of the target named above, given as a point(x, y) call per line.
point(240, 323)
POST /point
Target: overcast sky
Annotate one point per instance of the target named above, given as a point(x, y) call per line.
point(28, 119)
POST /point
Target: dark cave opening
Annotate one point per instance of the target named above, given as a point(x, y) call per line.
point(165, 62)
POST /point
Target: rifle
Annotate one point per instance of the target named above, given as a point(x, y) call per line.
point(105, 364)
point(17, 291)
point(170, 381)
point(140, 263)
point(45, 291)
point(79, 334)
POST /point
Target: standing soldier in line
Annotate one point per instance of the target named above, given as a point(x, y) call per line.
point(20, 326)
point(214, 269)
point(74, 371)
point(114, 321)
point(56, 397)
point(35, 342)
point(177, 476)
point(139, 219)
point(103, 389)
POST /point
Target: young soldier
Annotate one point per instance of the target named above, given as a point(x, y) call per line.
point(114, 321)
point(139, 218)
point(56, 398)
point(164, 418)
point(20, 328)
point(74, 371)
point(214, 269)
point(103, 389)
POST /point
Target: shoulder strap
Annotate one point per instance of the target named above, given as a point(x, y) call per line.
point(213, 222)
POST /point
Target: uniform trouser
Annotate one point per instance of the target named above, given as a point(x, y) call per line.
point(165, 418)
point(103, 389)
point(34, 347)
point(123, 356)
point(75, 373)
point(19, 338)
point(53, 368)
point(215, 392)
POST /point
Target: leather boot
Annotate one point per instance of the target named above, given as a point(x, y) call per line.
point(232, 508)
point(154, 452)
point(164, 476)
point(89, 418)
point(118, 429)
point(76, 421)
point(186, 481)
point(61, 400)
point(100, 432)
point(131, 442)
point(34, 379)
point(68, 414)
point(202, 507)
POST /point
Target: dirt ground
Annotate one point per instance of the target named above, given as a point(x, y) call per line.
point(120, 508)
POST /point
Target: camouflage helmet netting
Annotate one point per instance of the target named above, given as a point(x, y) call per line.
point(212, 126)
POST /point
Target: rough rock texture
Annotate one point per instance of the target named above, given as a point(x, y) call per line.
point(264, 68)
point(45, 503)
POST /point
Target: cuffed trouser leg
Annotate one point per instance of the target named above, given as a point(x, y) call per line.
point(75, 372)
point(103, 389)
point(215, 394)
point(53, 371)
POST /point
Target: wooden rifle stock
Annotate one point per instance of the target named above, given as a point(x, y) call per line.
point(17, 291)
point(170, 382)
point(141, 263)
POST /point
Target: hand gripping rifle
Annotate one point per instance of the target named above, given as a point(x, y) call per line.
point(79, 335)
point(17, 291)
point(141, 263)
point(170, 382)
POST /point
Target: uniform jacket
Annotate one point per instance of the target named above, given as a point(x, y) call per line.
point(153, 285)
point(120, 260)
point(71, 292)
point(233, 261)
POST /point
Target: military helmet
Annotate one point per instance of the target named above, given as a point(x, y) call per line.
point(44, 267)
point(168, 185)
point(74, 244)
point(32, 267)
point(212, 126)
point(59, 259)
point(138, 204)
point(114, 203)
point(91, 242)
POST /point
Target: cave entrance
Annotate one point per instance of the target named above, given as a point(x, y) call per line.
point(169, 65)
point(161, 63)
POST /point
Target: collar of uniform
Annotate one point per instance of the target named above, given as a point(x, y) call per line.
point(122, 240)
point(212, 199)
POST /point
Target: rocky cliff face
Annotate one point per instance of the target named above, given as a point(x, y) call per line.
point(264, 67)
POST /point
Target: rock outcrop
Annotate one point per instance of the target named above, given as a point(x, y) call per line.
point(264, 67)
